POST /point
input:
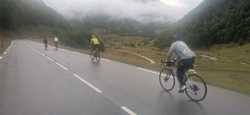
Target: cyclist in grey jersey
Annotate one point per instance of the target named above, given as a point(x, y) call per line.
point(185, 59)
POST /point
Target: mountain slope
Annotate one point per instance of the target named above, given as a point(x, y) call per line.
point(212, 22)
point(217, 21)
point(19, 13)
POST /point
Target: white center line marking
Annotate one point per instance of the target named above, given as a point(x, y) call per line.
point(130, 112)
point(50, 59)
point(146, 70)
point(63, 67)
point(87, 83)
point(1, 57)
point(43, 54)
point(38, 52)
point(5, 53)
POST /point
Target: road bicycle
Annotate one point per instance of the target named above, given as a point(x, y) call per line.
point(95, 55)
point(56, 46)
point(196, 87)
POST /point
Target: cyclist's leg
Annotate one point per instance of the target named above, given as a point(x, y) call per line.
point(56, 45)
point(46, 46)
point(181, 73)
point(187, 64)
point(92, 49)
point(95, 48)
point(98, 50)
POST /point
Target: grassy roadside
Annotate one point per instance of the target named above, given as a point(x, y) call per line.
point(230, 70)
point(4, 42)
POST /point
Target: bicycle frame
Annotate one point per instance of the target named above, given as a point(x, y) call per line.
point(190, 79)
point(173, 69)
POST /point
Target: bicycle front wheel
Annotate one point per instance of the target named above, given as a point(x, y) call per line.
point(196, 88)
point(167, 80)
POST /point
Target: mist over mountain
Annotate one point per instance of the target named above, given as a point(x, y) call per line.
point(124, 26)
point(139, 10)
point(123, 17)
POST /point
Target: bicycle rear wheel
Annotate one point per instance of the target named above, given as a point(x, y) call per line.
point(92, 55)
point(97, 56)
point(196, 88)
point(167, 80)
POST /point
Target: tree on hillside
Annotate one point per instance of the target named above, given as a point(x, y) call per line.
point(5, 14)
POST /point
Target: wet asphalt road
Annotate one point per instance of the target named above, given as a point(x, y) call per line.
point(38, 82)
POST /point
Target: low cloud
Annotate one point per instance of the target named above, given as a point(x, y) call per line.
point(141, 10)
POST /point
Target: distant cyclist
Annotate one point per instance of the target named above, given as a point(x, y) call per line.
point(185, 60)
point(95, 43)
point(56, 42)
point(45, 41)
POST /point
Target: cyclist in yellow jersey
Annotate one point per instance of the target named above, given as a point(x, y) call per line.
point(95, 43)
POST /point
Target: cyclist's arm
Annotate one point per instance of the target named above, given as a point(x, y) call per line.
point(90, 43)
point(170, 52)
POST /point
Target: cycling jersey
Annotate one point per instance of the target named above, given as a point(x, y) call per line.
point(95, 41)
point(181, 50)
point(55, 39)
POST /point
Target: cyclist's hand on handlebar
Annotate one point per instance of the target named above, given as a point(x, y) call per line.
point(164, 60)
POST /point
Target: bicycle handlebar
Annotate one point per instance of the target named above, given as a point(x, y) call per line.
point(169, 63)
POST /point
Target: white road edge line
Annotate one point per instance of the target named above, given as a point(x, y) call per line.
point(63, 50)
point(61, 66)
point(10, 46)
point(87, 83)
point(106, 60)
point(78, 53)
point(130, 112)
point(7, 50)
point(146, 70)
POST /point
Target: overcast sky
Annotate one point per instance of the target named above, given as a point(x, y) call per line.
point(162, 10)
